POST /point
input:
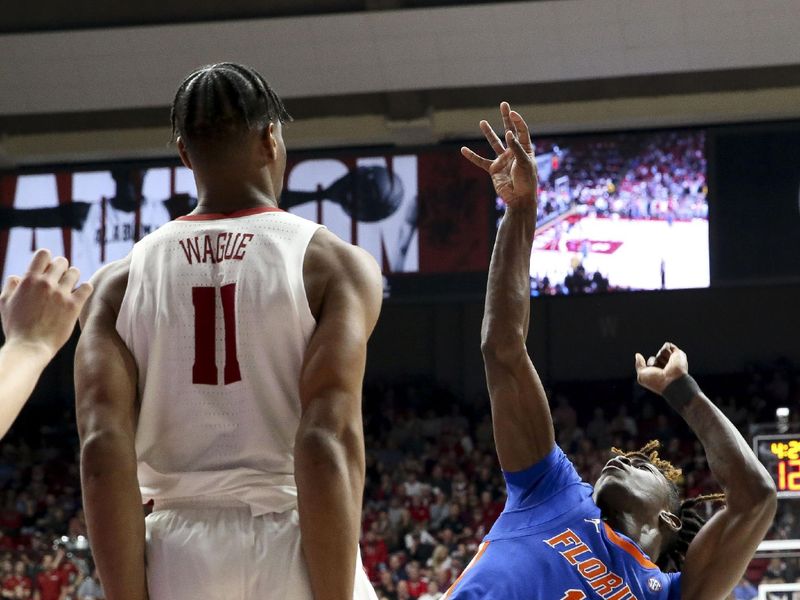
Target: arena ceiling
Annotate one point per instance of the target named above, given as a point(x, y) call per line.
point(56, 15)
point(579, 102)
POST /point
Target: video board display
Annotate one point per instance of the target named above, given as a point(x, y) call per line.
point(624, 211)
point(617, 211)
point(414, 212)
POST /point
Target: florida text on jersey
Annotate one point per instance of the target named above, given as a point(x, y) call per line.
point(550, 543)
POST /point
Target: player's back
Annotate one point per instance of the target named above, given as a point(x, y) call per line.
point(217, 319)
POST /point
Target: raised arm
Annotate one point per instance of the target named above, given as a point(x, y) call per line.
point(329, 446)
point(719, 554)
point(39, 311)
point(523, 427)
point(107, 412)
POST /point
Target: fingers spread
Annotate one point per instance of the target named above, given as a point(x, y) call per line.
point(523, 132)
point(476, 160)
point(492, 138)
point(40, 261)
point(505, 112)
point(519, 152)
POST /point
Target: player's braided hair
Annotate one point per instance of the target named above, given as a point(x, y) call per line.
point(673, 558)
point(217, 102)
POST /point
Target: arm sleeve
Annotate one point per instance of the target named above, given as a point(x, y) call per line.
point(552, 475)
point(674, 586)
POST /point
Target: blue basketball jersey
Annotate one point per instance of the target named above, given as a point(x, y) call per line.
point(551, 544)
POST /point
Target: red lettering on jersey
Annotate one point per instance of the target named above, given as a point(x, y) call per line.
point(208, 251)
point(221, 246)
point(592, 568)
point(230, 245)
point(243, 246)
point(606, 584)
point(191, 247)
point(204, 369)
point(573, 553)
point(225, 246)
point(624, 594)
point(231, 372)
point(567, 539)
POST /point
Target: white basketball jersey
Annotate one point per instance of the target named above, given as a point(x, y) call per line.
point(217, 319)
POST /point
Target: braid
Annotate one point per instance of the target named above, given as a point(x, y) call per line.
point(693, 521)
point(218, 102)
point(672, 558)
point(650, 450)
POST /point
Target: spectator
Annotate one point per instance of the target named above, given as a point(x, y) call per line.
point(432, 592)
point(50, 580)
point(90, 588)
point(745, 590)
point(623, 423)
point(416, 584)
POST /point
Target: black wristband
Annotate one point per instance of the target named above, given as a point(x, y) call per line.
point(681, 391)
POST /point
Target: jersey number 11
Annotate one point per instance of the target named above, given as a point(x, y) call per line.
point(204, 369)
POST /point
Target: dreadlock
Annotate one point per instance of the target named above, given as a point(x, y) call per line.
point(673, 557)
point(218, 102)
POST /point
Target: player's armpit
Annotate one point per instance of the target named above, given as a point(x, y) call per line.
point(106, 408)
point(719, 554)
point(329, 446)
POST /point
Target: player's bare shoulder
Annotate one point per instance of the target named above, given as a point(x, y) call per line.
point(333, 263)
point(109, 284)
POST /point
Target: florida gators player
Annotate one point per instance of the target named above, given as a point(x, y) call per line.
point(631, 537)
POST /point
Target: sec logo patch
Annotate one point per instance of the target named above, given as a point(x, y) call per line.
point(654, 584)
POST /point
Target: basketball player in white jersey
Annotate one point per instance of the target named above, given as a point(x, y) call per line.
point(219, 376)
point(39, 311)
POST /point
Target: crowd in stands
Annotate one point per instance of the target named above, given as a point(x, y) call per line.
point(657, 175)
point(578, 281)
point(434, 486)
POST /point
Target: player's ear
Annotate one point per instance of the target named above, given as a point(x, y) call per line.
point(671, 521)
point(269, 141)
point(183, 153)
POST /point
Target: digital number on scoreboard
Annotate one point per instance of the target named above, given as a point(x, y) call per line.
point(780, 454)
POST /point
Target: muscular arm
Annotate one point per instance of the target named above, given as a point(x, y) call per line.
point(106, 406)
point(719, 554)
point(329, 446)
point(523, 427)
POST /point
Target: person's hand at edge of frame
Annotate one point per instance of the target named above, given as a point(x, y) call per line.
point(657, 372)
point(39, 310)
point(513, 171)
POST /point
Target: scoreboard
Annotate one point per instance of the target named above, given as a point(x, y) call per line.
point(780, 454)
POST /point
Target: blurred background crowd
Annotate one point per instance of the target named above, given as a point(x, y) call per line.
point(433, 490)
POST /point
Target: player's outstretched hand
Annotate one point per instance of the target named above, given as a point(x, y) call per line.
point(40, 309)
point(513, 171)
point(660, 370)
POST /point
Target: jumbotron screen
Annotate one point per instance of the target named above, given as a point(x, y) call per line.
point(426, 212)
point(623, 211)
point(617, 211)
